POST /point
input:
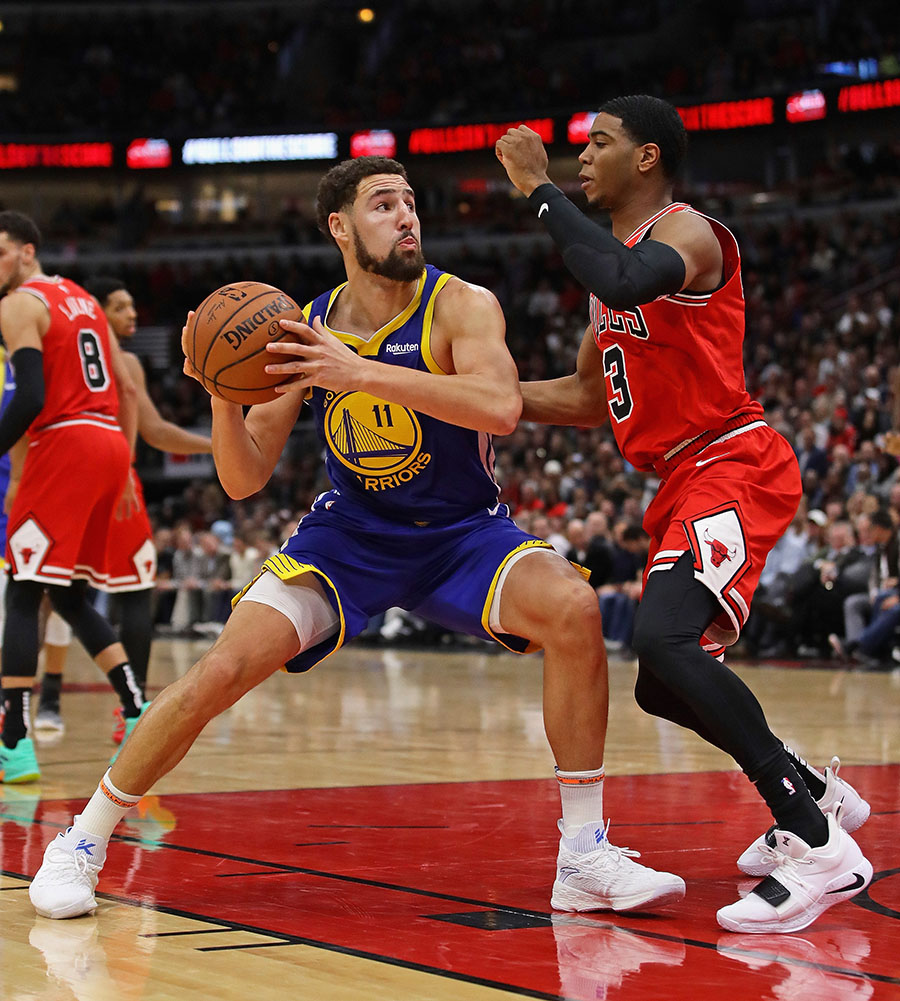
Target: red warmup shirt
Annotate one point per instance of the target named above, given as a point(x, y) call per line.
point(674, 367)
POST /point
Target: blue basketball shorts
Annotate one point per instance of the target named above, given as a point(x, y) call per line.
point(445, 572)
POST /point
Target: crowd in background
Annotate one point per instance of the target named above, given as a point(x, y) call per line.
point(322, 64)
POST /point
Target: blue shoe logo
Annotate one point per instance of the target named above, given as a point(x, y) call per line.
point(85, 846)
point(600, 835)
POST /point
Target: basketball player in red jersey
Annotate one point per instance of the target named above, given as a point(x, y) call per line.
point(72, 392)
point(662, 359)
point(132, 569)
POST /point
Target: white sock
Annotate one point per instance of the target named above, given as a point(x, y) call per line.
point(105, 809)
point(582, 799)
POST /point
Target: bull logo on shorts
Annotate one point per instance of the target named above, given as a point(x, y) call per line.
point(719, 551)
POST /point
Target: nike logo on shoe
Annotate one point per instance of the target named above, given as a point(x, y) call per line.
point(857, 884)
point(544, 208)
point(703, 462)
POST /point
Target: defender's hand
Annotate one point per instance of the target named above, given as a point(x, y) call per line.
point(524, 158)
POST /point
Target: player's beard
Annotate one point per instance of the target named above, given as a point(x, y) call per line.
point(396, 266)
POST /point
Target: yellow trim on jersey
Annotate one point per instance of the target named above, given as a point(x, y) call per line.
point(427, 322)
point(488, 601)
point(286, 568)
point(371, 346)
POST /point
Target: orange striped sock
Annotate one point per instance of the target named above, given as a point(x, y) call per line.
point(582, 799)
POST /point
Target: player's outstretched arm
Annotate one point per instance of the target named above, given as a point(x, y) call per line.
point(480, 389)
point(153, 427)
point(574, 400)
point(125, 387)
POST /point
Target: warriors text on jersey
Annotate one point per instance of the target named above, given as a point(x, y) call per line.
point(674, 366)
point(397, 462)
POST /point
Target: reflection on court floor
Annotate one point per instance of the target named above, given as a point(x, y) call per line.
point(385, 828)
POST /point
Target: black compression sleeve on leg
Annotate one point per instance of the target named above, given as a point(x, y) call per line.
point(21, 642)
point(93, 631)
point(621, 277)
point(674, 611)
point(135, 628)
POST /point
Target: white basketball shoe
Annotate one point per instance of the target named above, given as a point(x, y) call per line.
point(803, 882)
point(855, 813)
point(593, 875)
point(64, 884)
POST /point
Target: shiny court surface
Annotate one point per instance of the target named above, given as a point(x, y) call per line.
point(385, 827)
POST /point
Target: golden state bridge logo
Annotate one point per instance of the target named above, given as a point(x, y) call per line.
point(380, 442)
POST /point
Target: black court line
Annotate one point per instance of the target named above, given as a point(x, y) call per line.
point(865, 901)
point(2, 888)
point(384, 827)
point(289, 939)
point(176, 934)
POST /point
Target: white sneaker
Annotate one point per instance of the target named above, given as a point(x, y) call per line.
point(64, 884)
point(803, 883)
point(855, 813)
point(607, 878)
point(47, 720)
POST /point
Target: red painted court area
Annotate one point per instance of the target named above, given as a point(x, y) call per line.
point(454, 879)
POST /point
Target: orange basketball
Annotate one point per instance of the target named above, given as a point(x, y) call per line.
point(227, 338)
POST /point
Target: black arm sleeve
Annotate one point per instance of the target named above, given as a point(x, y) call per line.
point(620, 276)
point(28, 399)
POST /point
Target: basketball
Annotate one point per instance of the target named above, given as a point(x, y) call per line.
point(227, 337)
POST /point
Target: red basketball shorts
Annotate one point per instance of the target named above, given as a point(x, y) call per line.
point(130, 552)
point(727, 505)
point(59, 526)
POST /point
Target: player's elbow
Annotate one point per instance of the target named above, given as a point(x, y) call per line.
point(240, 487)
point(506, 416)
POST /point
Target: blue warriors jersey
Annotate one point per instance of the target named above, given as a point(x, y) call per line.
point(9, 387)
point(402, 464)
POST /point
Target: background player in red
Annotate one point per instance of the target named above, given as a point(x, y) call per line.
point(132, 569)
point(663, 353)
point(71, 384)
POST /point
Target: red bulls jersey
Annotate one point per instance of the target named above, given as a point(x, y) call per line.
point(78, 380)
point(674, 367)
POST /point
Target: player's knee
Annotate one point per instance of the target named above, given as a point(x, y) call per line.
point(651, 643)
point(23, 597)
point(646, 691)
point(216, 682)
point(572, 615)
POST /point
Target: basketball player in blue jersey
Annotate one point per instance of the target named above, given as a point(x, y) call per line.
point(408, 375)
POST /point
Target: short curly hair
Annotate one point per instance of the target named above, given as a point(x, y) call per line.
point(338, 187)
point(20, 227)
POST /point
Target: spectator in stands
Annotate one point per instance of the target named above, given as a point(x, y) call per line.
point(871, 617)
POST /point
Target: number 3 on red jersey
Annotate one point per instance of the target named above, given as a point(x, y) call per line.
point(618, 392)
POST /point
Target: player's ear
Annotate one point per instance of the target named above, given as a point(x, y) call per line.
point(338, 226)
point(648, 157)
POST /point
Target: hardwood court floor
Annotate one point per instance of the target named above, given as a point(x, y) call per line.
point(384, 828)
